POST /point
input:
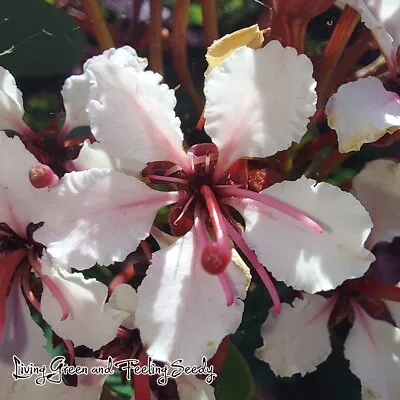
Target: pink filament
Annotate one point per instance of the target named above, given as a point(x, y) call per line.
point(52, 286)
point(71, 351)
point(202, 237)
point(262, 273)
point(184, 209)
point(168, 179)
point(27, 290)
point(274, 203)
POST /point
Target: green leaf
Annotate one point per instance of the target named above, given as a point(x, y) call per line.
point(100, 273)
point(38, 39)
point(115, 384)
point(235, 381)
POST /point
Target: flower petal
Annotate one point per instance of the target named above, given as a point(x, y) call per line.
point(91, 322)
point(192, 388)
point(259, 101)
point(382, 17)
point(75, 93)
point(362, 112)
point(124, 298)
point(373, 348)
point(188, 314)
point(105, 214)
point(22, 337)
point(301, 257)
point(287, 346)
point(94, 156)
point(20, 202)
point(132, 113)
point(377, 187)
point(11, 104)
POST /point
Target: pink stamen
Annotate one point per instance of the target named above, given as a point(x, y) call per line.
point(172, 170)
point(146, 250)
point(51, 285)
point(184, 209)
point(274, 203)
point(262, 273)
point(227, 286)
point(71, 351)
point(207, 163)
point(27, 290)
point(168, 179)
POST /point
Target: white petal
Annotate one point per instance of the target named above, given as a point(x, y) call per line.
point(259, 101)
point(11, 104)
point(124, 298)
point(20, 202)
point(75, 93)
point(132, 113)
point(377, 187)
point(89, 387)
point(124, 55)
point(94, 156)
point(298, 340)
point(22, 337)
point(105, 214)
point(299, 256)
point(91, 322)
point(373, 348)
point(382, 17)
point(362, 112)
point(192, 388)
point(182, 311)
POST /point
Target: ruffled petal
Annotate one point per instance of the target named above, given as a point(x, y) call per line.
point(259, 101)
point(91, 322)
point(132, 113)
point(188, 315)
point(377, 187)
point(362, 112)
point(373, 348)
point(105, 214)
point(298, 340)
point(382, 17)
point(75, 93)
point(94, 156)
point(20, 202)
point(192, 388)
point(11, 104)
point(299, 256)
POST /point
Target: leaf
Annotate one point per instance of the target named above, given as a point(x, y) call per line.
point(234, 381)
point(115, 384)
point(38, 39)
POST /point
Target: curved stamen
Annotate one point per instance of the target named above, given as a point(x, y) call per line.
point(28, 291)
point(274, 203)
point(168, 179)
point(71, 351)
point(51, 285)
point(202, 237)
point(184, 209)
point(124, 276)
point(262, 273)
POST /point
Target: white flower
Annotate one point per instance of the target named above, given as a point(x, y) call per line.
point(257, 103)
